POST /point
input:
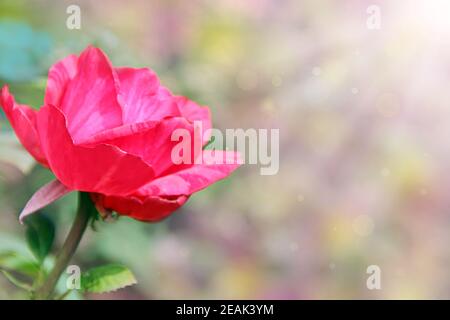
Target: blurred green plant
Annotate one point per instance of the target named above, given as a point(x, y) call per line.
point(22, 51)
point(38, 274)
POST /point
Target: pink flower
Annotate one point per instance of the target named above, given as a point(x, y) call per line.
point(107, 131)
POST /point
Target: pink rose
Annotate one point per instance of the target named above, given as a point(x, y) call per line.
point(107, 131)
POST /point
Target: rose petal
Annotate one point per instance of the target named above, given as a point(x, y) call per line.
point(150, 209)
point(49, 193)
point(142, 99)
point(59, 76)
point(193, 112)
point(23, 121)
point(91, 101)
point(154, 144)
point(101, 168)
point(194, 178)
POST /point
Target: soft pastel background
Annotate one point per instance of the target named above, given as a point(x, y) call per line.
point(364, 119)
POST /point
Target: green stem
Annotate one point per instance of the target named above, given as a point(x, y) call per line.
point(69, 247)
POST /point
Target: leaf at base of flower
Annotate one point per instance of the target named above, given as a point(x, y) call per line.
point(18, 283)
point(107, 278)
point(13, 261)
point(40, 233)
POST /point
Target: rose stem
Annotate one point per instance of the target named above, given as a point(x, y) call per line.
point(84, 212)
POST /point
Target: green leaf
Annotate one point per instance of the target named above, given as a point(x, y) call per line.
point(13, 261)
point(107, 278)
point(18, 283)
point(40, 233)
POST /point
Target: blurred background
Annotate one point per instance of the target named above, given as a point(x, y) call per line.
point(364, 121)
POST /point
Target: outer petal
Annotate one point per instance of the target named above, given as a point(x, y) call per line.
point(149, 209)
point(142, 97)
point(164, 93)
point(23, 121)
point(194, 178)
point(193, 112)
point(151, 141)
point(162, 196)
point(91, 102)
point(120, 132)
point(102, 168)
point(59, 76)
point(50, 192)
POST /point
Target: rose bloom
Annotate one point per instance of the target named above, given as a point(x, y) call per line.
point(107, 131)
